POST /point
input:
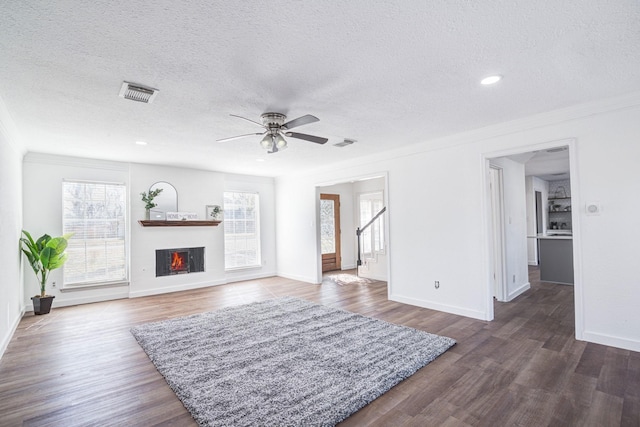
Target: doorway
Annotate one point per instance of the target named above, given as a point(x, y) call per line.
point(349, 192)
point(529, 181)
point(330, 232)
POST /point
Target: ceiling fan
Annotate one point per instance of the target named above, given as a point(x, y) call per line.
point(277, 129)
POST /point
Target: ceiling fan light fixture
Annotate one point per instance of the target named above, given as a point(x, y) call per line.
point(276, 129)
point(280, 141)
point(267, 142)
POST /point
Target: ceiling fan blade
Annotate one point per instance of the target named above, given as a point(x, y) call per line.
point(239, 136)
point(316, 139)
point(304, 120)
point(249, 120)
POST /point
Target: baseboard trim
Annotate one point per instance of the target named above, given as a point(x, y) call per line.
point(522, 289)
point(311, 280)
point(611, 341)
point(175, 288)
point(79, 301)
point(12, 330)
point(373, 277)
point(440, 307)
point(243, 277)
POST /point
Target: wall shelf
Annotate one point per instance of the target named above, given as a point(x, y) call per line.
point(148, 223)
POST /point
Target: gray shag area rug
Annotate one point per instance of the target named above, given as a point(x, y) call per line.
point(283, 362)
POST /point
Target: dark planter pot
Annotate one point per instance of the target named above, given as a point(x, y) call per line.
point(42, 305)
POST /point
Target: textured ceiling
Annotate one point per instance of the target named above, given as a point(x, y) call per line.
point(384, 73)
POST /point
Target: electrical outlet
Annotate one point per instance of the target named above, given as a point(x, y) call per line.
point(437, 284)
point(53, 284)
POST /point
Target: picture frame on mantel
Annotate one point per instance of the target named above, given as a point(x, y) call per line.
point(213, 213)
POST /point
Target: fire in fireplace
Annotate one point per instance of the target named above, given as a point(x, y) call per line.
point(179, 261)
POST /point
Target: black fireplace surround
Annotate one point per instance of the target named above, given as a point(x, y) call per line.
point(179, 261)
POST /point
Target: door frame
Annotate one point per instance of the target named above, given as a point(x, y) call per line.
point(337, 230)
point(350, 179)
point(498, 255)
point(571, 143)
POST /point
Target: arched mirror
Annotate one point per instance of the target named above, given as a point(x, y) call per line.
point(167, 201)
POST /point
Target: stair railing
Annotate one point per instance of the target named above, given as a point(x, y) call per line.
point(359, 232)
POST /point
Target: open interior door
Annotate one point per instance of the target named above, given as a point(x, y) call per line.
point(330, 231)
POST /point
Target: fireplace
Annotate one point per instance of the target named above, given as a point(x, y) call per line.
point(179, 261)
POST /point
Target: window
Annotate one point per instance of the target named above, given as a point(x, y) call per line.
point(241, 230)
point(95, 213)
point(372, 239)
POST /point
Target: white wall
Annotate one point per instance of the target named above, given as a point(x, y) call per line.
point(515, 227)
point(195, 189)
point(43, 175)
point(438, 217)
point(297, 245)
point(42, 193)
point(11, 290)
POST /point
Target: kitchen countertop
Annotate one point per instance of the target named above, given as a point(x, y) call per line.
point(550, 237)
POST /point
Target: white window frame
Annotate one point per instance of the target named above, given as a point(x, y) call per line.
point(255, 241)
point(374, 235)
point(122, 235)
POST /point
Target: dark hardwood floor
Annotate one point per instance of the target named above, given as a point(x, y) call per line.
point(80, 366)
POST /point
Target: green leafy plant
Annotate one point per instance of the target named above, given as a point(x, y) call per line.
point(216, 211)
point(148, 198)
point(45, 254)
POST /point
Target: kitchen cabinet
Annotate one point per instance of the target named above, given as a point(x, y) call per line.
point(556, 259)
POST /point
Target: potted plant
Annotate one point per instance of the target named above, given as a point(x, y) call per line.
point(45, 254)
point(148, 200)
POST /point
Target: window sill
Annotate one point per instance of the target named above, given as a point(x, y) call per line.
point(72, 288)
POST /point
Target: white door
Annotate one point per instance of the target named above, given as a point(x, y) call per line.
point(497, 222)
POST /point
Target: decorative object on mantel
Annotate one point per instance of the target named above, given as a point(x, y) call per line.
point(182, 216)
point(45, 254)
point(166, 202)
point(214, 212)
point(148, 200)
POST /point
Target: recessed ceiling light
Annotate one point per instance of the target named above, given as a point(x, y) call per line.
point(259, 160)
point(141, 143)
point(491, 80)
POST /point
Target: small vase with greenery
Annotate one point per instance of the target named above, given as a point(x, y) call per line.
point(148, 200)
point(45, 254)
point(216, 212)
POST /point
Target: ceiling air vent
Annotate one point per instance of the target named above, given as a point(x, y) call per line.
point(136, 92)
point(344, 143)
